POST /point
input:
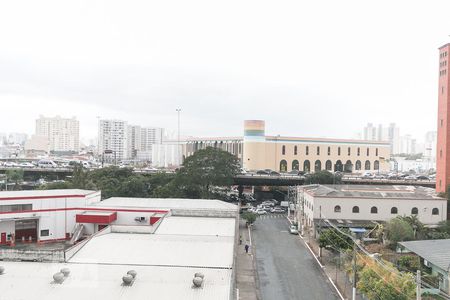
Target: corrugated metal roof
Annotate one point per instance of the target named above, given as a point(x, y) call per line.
point(43, 193)
point(197, 226)
point(158, 203)
point(30, 281)
point(435, 251)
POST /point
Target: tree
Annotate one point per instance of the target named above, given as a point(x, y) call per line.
point(249, 217)
point(16, 176)
point(398, 230)
point(335, 240)
point(205, 168)
point(323, 177)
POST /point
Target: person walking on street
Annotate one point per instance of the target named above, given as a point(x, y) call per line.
point(246, 248)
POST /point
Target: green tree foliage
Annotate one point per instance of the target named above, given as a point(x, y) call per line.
point(249, 217)
point(323, 177)
point(331, 238)
point(206, 168)
point(15, 176)
point(398, 230)
point(409, 263)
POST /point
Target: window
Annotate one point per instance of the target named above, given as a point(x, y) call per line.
point(283, 150)
point(376, 151)
point(440, 153)
point(295, 165)
point(376, 165)
point(368, 152)
point(349, 151)
point(414, 211)
point(317, 166)
point(15, 207)
point(318, 150)
point(337, 209)
point(367, 165)
point(358, 165)
point(394, 210)
point(328, 165)
point(329, 151)
point(339, 150)
point(283, 166)
point(355, 209)
point(442, 122)
point(306, 166)
point(295, 150)
point(358, 152)
point(307, 150)
point(435, 211)
point(373, 210)
point(45, 232)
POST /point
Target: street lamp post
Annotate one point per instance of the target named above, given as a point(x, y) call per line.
point(178, 110)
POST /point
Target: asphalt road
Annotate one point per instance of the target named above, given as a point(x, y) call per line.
point(285, 267)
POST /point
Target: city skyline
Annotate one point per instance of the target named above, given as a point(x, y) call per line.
point(145, 65)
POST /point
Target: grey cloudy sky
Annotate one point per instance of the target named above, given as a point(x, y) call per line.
point(309, 68)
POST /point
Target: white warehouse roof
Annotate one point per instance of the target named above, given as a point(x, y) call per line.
point(197, 226)
point(45, 193)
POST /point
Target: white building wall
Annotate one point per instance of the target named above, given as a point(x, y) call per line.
point(63, 134)
point(113, 135)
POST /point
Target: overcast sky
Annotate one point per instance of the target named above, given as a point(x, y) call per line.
point(309, 68)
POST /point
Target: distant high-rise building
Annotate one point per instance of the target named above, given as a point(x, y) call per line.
point(394, 138)
point(113, 140)
point(370, 132)
point(408, 144)
point(17, 138)
point(443, 140)
point(63, 134)
point(134, 140)
point(430, 145)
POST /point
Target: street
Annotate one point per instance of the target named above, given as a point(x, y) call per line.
point(285, 267)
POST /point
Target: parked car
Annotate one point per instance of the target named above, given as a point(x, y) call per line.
point(367, 175)
point(410, 177)
point(277, 210)
point(26, 165)
point(293, 229)
point(268, 203)
point(260, 211)
point(10, 164)
point(422, 177)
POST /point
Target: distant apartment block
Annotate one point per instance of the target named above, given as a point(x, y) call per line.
point(63, 134)
point(113, 140)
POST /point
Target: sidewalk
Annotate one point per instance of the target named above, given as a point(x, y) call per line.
point(245, 268)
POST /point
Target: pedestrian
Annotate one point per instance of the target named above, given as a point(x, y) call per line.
point(246, 248)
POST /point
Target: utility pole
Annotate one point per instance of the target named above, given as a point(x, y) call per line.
point(418, 283)
point(354, 272)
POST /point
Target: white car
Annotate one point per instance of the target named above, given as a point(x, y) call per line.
point(277, 210)
point(260, 212)
point(293, 229)
point(10, 164)
point(26, 165)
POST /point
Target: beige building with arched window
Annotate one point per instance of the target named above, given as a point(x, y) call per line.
point(256, 151)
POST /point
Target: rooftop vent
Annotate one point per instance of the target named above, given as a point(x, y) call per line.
point(2, 270)
point(129, 278)
point(65, 271)
point(198, 280)
point(58, 277)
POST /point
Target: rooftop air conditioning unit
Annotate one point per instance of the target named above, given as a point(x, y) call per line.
point(140, 219)
point(426, 263)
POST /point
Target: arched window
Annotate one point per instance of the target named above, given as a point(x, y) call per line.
point(358, 165)
point(368, 151)
point(283, 150)
point(348, 167)
point(328, 165)
point(355, 209)
point(376, 165)
point(339, 150)
point(295, 150)
point(394, 210)
point(367, 165)
point(373, 210)
point(307, 150)
point(283, 166)
point(338, 166)
point(317, 166)
point(376, 151)
point(358, 151)
point(435, 211)
point(318, 150)
point(329, 151)
point(295, 165)
point(349, 151)
point(306, 166)
point(414, 211)
point(337, 209)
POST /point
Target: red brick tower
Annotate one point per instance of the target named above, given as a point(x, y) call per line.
point(443, 132)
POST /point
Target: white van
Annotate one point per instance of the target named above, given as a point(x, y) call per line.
point(44, 163)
